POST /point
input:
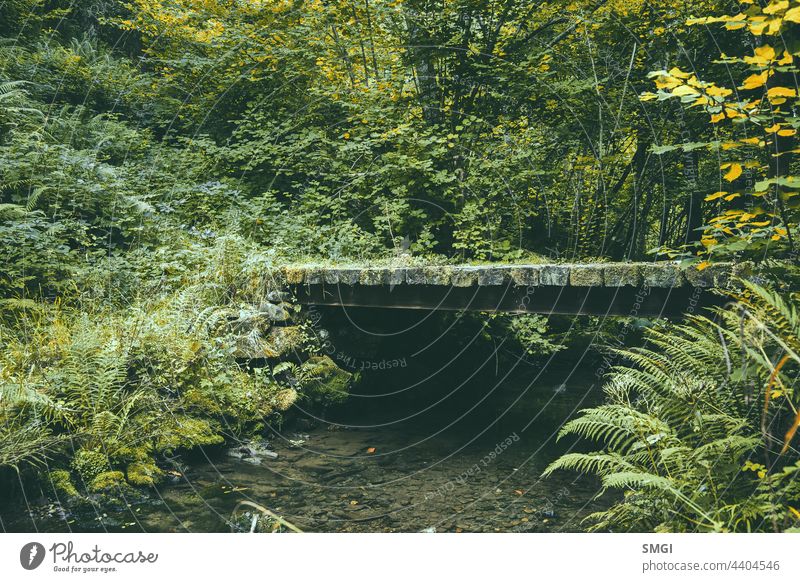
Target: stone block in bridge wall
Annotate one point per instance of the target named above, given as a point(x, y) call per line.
point(662, 275)
point(525, 276)
point(464, 277)
point(621, 275)
point(586, 276)
point(554, 275)
point(438, 275)
point(492, 276)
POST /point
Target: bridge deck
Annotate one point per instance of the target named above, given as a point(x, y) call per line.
point(645, 289)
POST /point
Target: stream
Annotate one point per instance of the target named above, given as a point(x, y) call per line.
point(476, 467)
point(438, 435)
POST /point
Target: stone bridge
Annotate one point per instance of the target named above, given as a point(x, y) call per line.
point(636, 289)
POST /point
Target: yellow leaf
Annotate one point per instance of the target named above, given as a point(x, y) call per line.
point(792, 15)
point(714, 196)
point(735, 25)
point(730, 197)
point(684, 90)
point(787, 132)
point(794, 511)
point(703, 265)
point(763, 56)
point(715, 91)
point(776, 7)
point(666, 82)
point(755, 81)
point(781, 92)
point(717, 117)
point(708, 241)
point(676, 72)
point(787, 58)
point(773, 128)
point(734, 172)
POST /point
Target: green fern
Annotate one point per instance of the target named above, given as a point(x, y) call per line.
point(679, 424)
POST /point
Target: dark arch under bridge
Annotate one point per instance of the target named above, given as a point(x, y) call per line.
point(620, 289)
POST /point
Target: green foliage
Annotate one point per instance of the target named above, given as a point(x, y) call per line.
point(156, 159)
point(531, 332)
point(61, 481)
point(680, 429)
point(324, 381)
point(129, 385)
point(108, 480)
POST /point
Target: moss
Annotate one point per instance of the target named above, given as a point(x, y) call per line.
point(89, 463)
point(294, 276)
point(61, 481)
point(285, 398)
point(144, 474)
point(107, 480)
point(283, 340)
point(328, 383)
point(185, 432)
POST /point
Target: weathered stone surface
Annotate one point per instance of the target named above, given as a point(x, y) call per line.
point(437, 275)
point(396, 276)
point(348, 276)
point(373, 277)
point(489, 276)
point(554, 275)
point(330, 276)
point(698, 278)
point(621, 274)
point(277, 296)
point(273, 312)
point(723, 274)
point(313, 276)
point(525, 276)
point(586, 276)
point(464, 277)
point(415, 276)
point(662, 275)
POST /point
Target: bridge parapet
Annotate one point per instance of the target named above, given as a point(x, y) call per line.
point(632, 289)
point(660, 275)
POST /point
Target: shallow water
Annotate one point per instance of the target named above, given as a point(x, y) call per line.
point(443, 460)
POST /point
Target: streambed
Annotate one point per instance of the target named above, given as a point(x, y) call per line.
point(465, 463)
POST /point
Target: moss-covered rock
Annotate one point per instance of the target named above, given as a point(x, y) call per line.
point(185, 432)
point(294, 276)
point(89, 463)
point(144, 474)
point(327, 383)
point(61, 481)
point(282, 341)
point(107, 480)
point(285, 398)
